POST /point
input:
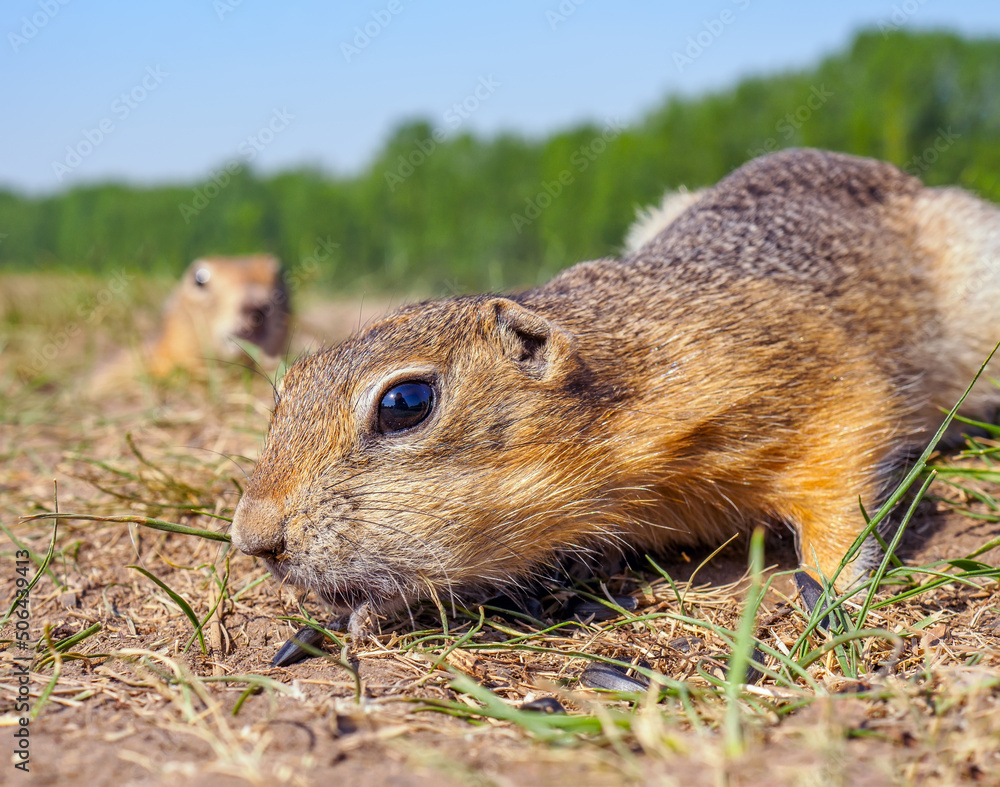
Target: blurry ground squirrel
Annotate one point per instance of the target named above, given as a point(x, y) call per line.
point(219, 300)
point(773, 353)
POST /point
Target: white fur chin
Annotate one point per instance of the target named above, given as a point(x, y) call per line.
point(651, 221)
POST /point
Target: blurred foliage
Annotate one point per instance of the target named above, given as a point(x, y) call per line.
point(471, 213)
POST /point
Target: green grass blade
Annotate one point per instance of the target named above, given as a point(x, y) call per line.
point(179, 601)
point(42, 568)
point(743, 648)
point(145, 521)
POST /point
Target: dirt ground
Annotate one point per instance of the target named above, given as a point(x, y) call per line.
point(138, 703)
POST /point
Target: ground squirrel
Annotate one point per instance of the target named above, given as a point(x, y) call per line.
point(218, 300)
point(770, 356)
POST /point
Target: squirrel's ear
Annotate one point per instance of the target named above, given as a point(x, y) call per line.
point(529, 340)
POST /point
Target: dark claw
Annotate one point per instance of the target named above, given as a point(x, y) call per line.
point(612, 678)
point(292, 651)
point(753, 675)
point(533, 607)
point(810, 591)
point(685, 644)
point(600, 611)
point(525, 605)
point(544, 705)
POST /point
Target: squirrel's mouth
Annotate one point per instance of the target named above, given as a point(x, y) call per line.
point(341, 596)
point(351, 599)
point(264, 324)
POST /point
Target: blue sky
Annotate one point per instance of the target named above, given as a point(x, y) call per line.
point(166, 92)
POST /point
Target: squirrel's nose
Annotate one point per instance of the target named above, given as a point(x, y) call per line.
point(258, 528)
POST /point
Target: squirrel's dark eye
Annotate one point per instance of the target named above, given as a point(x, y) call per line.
point(404, 406)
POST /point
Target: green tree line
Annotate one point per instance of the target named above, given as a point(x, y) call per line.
point(433, 213)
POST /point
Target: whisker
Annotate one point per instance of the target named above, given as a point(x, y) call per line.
point(230, 457)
